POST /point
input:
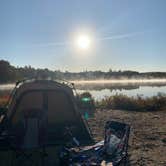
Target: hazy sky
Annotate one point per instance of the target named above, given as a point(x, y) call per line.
point(125, 34)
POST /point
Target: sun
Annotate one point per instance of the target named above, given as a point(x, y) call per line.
point(83, 42)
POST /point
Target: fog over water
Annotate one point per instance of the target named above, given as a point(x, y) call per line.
point(121, 81)
point(101, 88)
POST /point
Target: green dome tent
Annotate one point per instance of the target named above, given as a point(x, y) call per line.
point(54, 102)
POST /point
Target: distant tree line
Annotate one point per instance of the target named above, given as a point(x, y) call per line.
point(9, 73)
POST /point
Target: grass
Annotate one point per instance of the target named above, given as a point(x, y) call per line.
point(138, 103)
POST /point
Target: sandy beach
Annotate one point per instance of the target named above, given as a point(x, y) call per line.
point(147, 144)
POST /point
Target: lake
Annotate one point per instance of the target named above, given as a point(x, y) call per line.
point(101, 88)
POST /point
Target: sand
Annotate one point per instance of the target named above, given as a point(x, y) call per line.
point(147, 143)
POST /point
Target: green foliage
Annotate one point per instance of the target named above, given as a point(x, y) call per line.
point(9, 73)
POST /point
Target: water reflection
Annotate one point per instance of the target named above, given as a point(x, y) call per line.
point(99, 87)
point(99, 91)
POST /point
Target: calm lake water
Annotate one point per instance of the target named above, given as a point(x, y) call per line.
point(100, 89)
point(145, 91)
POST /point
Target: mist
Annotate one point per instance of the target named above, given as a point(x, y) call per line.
point(120, 81)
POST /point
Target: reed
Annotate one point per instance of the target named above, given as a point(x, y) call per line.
point(138, 103)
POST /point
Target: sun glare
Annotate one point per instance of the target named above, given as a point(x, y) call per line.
point(83, 42)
